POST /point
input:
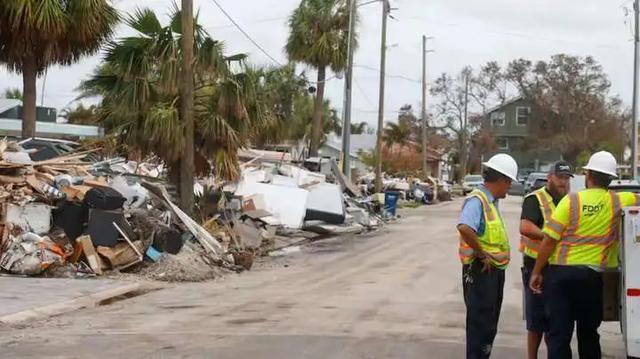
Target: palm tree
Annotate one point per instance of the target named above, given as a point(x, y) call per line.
point(13, 93)
point(81, 115)
point(397, 133)
point(138, 83)
point(359, 128)
point(280, 89)
point(318, 37)
point(35, 34)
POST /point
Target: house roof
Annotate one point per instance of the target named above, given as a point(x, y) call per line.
point(7, 104)
point(364, 142)
point(13, 127)
point(506, 103)
point(263, 155)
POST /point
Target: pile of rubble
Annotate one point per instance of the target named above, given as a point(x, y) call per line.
point(66, 216)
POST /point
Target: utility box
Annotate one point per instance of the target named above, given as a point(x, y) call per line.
point(630, 280)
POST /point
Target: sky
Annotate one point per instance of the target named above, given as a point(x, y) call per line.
point(465, 32)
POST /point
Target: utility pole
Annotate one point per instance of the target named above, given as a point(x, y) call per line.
point(464, 155)
point(386, 8)
point(424, 107)
point(636, 68)
point(346, 124)
point(425, 167)
point(186, 109)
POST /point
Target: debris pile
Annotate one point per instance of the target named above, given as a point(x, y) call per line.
point(76, 216)
point(410, 190)
point(69, 216)
point(294, 198)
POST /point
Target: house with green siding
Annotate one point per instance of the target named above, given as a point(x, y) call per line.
point(510, 124)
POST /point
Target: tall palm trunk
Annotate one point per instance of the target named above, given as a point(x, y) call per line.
point(186, 109)
point(29, 76)
point(316, 125)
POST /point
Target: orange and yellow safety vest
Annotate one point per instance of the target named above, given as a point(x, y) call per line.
point(530, 246)
point(493, 241)
point(586, 225)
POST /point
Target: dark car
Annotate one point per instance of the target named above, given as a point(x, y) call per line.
point(538, 183)
point(533, 177)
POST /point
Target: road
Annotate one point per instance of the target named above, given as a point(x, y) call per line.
point(394, 294)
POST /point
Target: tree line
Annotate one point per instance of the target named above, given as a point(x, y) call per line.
point(572, 109)
point(238, 104)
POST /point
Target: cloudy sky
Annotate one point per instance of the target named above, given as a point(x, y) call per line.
point(466, 32)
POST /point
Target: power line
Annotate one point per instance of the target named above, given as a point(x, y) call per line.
point(388, 75)
point(245, 33)
point(519, 34)
point(364, 94)
point(259, 21)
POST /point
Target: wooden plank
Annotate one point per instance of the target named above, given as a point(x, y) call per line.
point(76, 191)
point(36, 184)
point(45, 177)
point(48, 170)
point(124, 235)
point(69, 157)
point(95, 183)
point(12, 179)
point(90, 254)
point(123, 255)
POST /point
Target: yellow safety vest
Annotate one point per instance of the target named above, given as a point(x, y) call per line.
point(494, 240)
point(591, 237)
point(530, 246)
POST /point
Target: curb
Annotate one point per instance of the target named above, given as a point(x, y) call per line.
point(89, 301)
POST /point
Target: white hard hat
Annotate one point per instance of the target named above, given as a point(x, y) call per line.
point(504, 164)
point(603, 162)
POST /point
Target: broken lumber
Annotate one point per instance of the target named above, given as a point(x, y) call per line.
point(90, 254)
point(201, 234)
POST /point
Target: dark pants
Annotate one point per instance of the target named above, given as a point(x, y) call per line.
point(533, 303)
point(573, 295)
point(483, 297)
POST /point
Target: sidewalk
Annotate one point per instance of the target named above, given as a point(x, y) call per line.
point(32, 298)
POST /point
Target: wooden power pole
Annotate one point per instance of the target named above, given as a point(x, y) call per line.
point(425, 168)
point(636, 68)
point(186, 109)
point(346, 125)
point(386, 8)
point(465, 151)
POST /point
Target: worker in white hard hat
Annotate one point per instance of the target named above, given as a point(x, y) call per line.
point(581, 242)
point(484, 253)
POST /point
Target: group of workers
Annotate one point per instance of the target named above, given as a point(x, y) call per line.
point(567, 241)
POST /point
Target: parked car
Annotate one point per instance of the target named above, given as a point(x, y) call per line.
point(528, 184)
point(538, 183)
point(523, 174)
point(471, 182)
point(578, 184)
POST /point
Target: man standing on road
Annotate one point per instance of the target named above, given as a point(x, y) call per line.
point(536, 210)
point(484, 253)
point(581, 241)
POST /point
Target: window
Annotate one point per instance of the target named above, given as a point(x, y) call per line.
point(522, 115)
point(497, 119)
point(503, 143)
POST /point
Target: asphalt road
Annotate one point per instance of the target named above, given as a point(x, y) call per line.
point(394, 294)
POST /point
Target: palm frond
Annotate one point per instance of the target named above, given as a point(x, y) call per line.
point(145, 22)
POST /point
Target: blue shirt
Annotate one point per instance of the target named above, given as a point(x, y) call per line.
point(472, 214)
